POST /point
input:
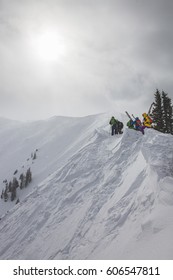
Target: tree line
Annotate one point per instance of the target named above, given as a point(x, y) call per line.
point(11, 187)
point(162, 112)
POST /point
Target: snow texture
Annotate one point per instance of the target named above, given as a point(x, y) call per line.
point(93, 195)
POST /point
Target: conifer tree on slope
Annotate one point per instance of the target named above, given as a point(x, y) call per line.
point(13, 192)
point(2, 194)
point(28, 177)
point(14, 186)
point(157, 112)
point(171, 120)
point(5, 196)
point(167, 113)
point(22, 182)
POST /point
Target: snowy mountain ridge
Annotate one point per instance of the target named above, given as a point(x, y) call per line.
point(93, 196)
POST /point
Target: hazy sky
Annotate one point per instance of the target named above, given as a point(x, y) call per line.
point(82, 57)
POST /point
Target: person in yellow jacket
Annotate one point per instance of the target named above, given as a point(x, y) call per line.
point(147, 121)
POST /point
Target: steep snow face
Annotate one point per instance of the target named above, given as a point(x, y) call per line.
point(56, 139)
point(112, 198)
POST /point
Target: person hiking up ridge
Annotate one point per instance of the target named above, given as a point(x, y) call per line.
point(114, 125)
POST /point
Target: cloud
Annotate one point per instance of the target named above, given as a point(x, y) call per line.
point(118, 52)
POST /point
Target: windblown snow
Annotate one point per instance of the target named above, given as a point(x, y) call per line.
point(92, 196)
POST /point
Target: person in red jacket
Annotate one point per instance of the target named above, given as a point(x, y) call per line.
point(138, 125)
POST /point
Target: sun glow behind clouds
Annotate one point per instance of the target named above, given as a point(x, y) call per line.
point(48, 46)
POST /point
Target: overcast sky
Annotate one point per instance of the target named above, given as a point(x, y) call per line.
point(82, 57)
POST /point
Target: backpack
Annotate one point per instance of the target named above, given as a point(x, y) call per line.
point(120, 125)
point(147, 118)
point(130, 124)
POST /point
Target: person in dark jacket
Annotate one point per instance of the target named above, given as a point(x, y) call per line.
point(120, 127)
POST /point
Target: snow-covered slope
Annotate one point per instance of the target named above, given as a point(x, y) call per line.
point(93, 196)
point(56, 139)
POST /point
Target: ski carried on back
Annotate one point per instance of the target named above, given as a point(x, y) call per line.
point(134, 124)
point(129, 116)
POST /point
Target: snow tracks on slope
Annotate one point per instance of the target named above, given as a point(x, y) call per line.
point(106, 202)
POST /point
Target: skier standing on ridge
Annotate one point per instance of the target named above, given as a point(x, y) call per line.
point(114, 124)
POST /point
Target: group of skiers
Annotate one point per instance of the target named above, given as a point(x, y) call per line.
point(116, 126)
point(135, 123)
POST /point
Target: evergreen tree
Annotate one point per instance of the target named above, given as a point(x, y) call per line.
point(9, 186)
point(157, 112)
point(28, 176)
point(2, 194)
point(14, 186)
point(35, 155)
point(6, 187)
point(15, 183)
point(167, 113)
point(5, 196)
point(13, 193)
point(23, 181)
point(162, 113)
point(171, 118)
